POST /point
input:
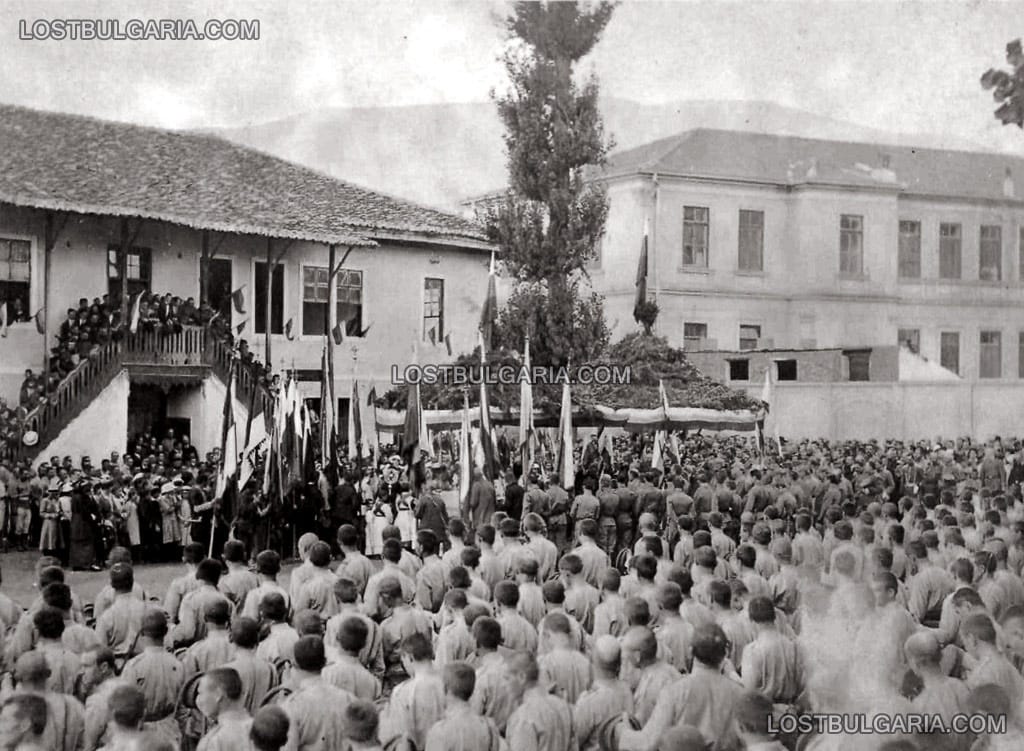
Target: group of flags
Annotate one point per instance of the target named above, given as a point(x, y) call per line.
point(287, 443)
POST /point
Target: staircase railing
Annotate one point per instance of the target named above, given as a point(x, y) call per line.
point(193, 345)
point(81, 385)
point(250, 386)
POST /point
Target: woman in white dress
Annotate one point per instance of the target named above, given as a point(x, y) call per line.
point(406, 518)
point(376, 515)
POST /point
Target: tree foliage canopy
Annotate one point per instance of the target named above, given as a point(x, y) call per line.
point(1008, 86)
point(548, 223)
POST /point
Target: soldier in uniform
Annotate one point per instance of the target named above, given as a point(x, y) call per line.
point(608, 508)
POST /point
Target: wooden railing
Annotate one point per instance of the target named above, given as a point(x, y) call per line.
point(81, 386)
point(185, 347)
point(193, 345)
point(249, 385)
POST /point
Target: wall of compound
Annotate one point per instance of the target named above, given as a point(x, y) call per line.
point(906, 411)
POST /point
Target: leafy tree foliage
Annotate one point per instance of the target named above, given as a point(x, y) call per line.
point(550, 219)
point(1008, 86)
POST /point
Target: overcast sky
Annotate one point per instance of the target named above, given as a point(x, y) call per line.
point(901, 66)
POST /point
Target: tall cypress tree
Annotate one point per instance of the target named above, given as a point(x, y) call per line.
point(549, 221)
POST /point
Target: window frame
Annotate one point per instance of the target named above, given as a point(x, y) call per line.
point(687, 338)
point(136, 284)
point(860, 357)
point(914, 337)
point(1020, 354)
point(942, 349)
point(1020, 254)
point(354, 327)
point(705, 226)
point(736, 361)
point(998, 345)
point(779, 376)
point(29, 283)
point(745, 231)
point(742, 338)
point(902, 260)
point(959, 258)
point(998, 251)
point(440, 315)
point(846, 234)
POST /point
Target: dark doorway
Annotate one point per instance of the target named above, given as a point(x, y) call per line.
point(219, 287)
point(147, 413)
point(147, 409)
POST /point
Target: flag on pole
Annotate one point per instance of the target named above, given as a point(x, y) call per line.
point(412, 436)
point(489, 314)
point(465, 454)
point(256, 445)
point(432, 335)
point(241, 327)
point(238, 298)
point(355, 425)
point(448, 343)
point(229, 438)
point(566, 465)
point(374, 439)
point(328, 419)
point(133, 320)
point(288, 330)
point(338, 332)
point(676, 449)
point(641, 277)
point(526, 437)
point(605, 446)
point(485, 447)
point(40, 322)
point(3, 319)
point(658, 452)
point(272, 463)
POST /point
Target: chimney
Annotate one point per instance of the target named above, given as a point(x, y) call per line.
point(1008, 187)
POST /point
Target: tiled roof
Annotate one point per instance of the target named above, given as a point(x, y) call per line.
point(67, 162)
point(791, 161)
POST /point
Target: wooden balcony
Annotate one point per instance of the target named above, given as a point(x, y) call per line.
point(187, 357)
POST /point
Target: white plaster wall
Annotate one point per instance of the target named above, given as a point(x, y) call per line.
point(101, 427)
point(206, 410)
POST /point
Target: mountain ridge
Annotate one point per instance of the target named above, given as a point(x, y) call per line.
point(441, 154)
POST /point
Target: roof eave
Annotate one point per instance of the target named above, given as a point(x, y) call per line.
point(47, 204)
point(457, 241)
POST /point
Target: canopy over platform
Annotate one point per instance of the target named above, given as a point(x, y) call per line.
point(631, 419)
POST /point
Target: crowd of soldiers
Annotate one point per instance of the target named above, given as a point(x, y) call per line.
point(734, 601)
